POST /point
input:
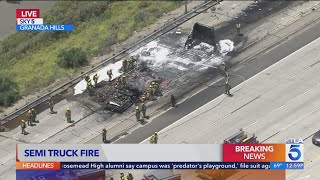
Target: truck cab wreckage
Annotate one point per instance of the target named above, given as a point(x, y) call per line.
point(137, 85)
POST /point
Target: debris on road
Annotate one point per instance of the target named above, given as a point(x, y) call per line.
point(157, 65)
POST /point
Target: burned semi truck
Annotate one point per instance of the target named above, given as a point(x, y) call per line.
point(117, 98)
point(200, 34)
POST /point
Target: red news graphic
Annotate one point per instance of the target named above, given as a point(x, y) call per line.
point(38, 165)
point(254, 153)
point(27, 13)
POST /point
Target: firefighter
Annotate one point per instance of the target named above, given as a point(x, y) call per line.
point(29, 118)
point(151, 90)
point(90, 87)
point(87, 78)
point(1, 127)
point(109, 73)
point(154, 138)
point(95, 79)
point(132, 62)
point(129, 177)
point(34, 115)
point(155, 87)
point(238, 26)
point(188, 43)
point(89, 84)
point(148, 95)
point(51, 104)
point(104, 135)
point(223, 68)
point(144, 110)
point(125, 65)
point(173, 101)
point(68, 115)
point(122, 176)
point(228, 88)
point(137, 113)
point(123, 80)
point(23, 127)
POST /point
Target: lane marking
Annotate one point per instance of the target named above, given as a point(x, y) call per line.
point(236, 87)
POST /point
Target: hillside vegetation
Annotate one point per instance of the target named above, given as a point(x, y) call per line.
point(30, 59)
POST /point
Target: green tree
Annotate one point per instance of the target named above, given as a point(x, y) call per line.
point(9, 92)
point(72, 58)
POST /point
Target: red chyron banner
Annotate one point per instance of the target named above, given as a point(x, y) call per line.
point(27, 13)
point(254, 152)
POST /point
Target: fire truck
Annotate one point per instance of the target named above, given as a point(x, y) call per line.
point(240, 137)
point(161, 175)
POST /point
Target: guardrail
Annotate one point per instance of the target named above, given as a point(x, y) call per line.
point(166, 28)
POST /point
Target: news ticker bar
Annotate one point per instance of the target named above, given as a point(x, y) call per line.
point(164, 153)
point(160, 165)
point(45, 27)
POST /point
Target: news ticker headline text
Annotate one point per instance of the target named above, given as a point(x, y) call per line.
point(161, 165)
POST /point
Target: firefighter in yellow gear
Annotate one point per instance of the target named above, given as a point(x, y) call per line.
point(89, 83)
point(152, 91)
point(29, 118)
point(129, 176)
point(132, 62)
point(68, 115)
point(154, 138)
point(137, 113)
point(90, 87)
point(125, 65)
point(153, 87)
point(109, 73)
point(23, 127)
point(122, 176)
point(95, 79)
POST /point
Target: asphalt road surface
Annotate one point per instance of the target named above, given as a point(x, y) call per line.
point(278, 103)
point(255, 66)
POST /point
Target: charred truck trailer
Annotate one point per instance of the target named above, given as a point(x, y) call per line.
point(200, 34)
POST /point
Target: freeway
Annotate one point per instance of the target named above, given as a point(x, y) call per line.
point(213, 91)
point(282, 101)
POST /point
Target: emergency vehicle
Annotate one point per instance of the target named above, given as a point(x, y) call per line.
point(83, 174)
point(161, 175)
point(240, 137)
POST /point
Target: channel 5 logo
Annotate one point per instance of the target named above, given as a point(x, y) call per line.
point(294, 150)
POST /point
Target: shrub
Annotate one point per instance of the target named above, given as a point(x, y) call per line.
point(72, 58)
point(140, 17)
point(8, 91)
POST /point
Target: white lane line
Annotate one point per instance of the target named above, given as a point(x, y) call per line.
point(263, 71)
